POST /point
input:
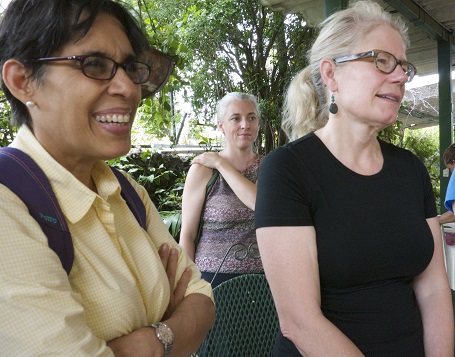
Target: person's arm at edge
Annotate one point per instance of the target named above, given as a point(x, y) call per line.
point(435, 302)
point(449, 217)
point(297, 294)
point(446, 217)
point(192, 201)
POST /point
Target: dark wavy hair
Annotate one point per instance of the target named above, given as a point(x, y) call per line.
point(32, 29)
point(449, 155)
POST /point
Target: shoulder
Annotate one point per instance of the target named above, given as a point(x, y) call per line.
point(295, 151)
point(196, 180)
point(399, 155)
point(199, 172)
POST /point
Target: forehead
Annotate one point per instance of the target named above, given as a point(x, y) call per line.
point(240, 107)
point(106, 35)
point(384, 38)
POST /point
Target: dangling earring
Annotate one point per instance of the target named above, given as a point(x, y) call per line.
point(333, 107)
point(30, 104)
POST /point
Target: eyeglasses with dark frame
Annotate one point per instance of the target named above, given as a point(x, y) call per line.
point(384, 61)
point(104, 68)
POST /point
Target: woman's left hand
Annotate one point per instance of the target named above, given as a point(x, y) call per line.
point(169, 258)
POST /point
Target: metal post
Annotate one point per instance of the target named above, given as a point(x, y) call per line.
point(445, 111)
point(331, 6)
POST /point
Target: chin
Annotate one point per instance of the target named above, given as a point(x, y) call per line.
point(118, 152)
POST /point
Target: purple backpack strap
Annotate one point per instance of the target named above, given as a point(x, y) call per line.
point(24, 177)
point(132, 198)
point(20, 173)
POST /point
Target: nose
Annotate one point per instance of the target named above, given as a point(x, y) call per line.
point(245, 124)
point(399, 75)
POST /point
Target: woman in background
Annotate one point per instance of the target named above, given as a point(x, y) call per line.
point(228, 214)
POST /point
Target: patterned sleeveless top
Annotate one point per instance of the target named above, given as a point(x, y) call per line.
point(227, 221)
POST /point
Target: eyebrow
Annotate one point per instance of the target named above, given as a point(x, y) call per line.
point(130, 57)
point(251, 113)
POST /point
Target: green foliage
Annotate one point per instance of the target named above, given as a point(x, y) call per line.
point(7, 132)
point(156, 115)
point(163, 176)
point(207, 143)
point(231, 45)
point(173, 222)
point(424, 143)
point(393, 134)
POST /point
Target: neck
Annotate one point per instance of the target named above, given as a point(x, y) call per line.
point(357, 150)
point(239, 159)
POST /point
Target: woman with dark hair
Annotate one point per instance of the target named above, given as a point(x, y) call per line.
point(72, 72)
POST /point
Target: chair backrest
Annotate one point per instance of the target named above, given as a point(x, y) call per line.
point(246, 320)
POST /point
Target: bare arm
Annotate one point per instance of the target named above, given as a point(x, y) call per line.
point(435, 301)
point(192, 201)
point(447, 217)
point(244, 189)
point(190, 324)
point(297, 292)
point(189, 317)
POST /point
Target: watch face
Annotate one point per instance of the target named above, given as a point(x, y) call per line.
point(166, 334)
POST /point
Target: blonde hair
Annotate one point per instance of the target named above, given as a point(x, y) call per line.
point(306, 102)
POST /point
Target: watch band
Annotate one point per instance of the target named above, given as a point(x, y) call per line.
point(165, 335)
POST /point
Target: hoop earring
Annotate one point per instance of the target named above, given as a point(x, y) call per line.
point(30, 104)
point(333, 106)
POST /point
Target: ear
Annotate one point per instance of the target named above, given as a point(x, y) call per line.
point(220, 125)
point(328, 69)
point(16, 77)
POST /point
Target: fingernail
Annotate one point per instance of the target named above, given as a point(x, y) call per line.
point(173, 251)
point(164, 247)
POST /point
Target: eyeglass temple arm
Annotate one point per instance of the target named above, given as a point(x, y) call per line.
point(359, 56)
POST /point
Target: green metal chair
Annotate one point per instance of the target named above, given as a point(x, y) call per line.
point(246, 320)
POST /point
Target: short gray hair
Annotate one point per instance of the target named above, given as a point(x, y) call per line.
point(232, 96)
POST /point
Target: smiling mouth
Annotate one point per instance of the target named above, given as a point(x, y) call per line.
point(388, 97)
point(113, 119)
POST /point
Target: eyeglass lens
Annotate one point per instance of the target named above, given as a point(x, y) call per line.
point(98, 67)
point(387, 63)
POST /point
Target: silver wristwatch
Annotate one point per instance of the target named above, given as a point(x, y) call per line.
point(165, 335)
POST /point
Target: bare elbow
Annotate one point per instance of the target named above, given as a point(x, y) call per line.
point(288, 328)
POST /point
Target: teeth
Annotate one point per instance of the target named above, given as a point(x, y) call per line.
point(391, 98)
point(119, 119)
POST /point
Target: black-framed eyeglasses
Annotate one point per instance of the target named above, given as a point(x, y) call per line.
point(104, 68)
point(384, 61)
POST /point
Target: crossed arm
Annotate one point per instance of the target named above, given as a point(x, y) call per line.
point(190, 319)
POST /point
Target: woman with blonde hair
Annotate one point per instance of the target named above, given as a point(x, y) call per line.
point(349, 275)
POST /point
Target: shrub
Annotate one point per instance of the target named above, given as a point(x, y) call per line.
point(163, 176)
